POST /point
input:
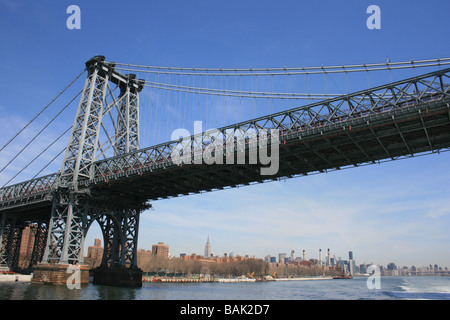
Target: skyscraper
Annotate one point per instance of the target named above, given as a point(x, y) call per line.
point(208, 249)
point(351, 263)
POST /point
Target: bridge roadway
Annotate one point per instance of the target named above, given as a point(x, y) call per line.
point(397, 120)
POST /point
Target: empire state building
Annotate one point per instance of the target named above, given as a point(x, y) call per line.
point(208, 249)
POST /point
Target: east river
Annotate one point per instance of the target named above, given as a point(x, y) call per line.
point(391, 288)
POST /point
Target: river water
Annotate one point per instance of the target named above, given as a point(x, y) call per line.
point(391, 288)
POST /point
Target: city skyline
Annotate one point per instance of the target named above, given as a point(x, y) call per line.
point(367, 226)
point(327, 259)
point(396, 211)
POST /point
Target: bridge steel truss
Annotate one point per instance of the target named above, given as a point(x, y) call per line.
point(390, 122)
point(397, 120)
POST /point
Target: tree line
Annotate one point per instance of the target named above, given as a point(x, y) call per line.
point(249, 266)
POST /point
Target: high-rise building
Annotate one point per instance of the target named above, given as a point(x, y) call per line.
point(282, 257)
point(208, 252)
point(160, 250)
point(95, 253)
point(351, 263)
point(26, 245)
point(27, 241)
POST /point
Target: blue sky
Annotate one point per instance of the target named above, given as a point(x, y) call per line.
point(397, 211)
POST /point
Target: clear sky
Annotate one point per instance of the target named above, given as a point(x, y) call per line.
point(394, 212)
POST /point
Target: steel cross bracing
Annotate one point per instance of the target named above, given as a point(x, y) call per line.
point(84, 144)
point(400, 119)
point(71, 207)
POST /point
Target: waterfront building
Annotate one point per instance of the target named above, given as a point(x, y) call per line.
point(95, 253)
point(160, 250)
point(351, 263)
point(26, 245)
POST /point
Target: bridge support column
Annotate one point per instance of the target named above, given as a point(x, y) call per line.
point(40, 240)
point(119, 262)
point(10, 239)
point(118, 276)
point(63, 255)
point(75, 205)
point(5, 243)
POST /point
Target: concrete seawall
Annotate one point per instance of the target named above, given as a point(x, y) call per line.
point(15, 278)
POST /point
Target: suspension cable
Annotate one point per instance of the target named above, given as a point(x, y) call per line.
point(36, 135)
point(40, 112)
point(238, 93)
point(35, 158)
point(48, 164)
point(388, 65)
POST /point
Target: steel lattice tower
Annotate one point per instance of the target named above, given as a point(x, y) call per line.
point(74, 209)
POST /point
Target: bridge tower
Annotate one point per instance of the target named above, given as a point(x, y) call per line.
point(107, 121)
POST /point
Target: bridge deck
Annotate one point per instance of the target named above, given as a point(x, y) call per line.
point(424, 128)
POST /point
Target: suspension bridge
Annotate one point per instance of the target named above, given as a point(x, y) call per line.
point(106, 176)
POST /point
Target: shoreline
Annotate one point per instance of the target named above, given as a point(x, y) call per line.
point(27, 278)
point(228, 280)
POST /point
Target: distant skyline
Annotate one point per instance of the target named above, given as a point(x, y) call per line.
point(393, 212)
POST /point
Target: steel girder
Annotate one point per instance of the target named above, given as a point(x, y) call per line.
point(32, 191)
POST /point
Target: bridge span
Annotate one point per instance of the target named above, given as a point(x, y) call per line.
point(389, 122)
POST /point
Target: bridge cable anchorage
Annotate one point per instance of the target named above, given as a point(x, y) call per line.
point(388, 65)
point(40, 112)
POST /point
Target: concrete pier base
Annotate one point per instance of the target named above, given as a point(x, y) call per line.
point(58, 274)
point(118, 276)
